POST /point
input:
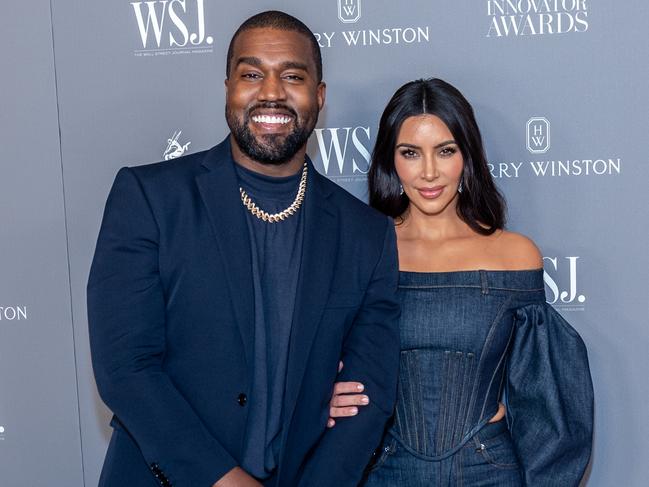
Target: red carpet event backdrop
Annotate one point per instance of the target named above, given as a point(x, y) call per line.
point(560, 91)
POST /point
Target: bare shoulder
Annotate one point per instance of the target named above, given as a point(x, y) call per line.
point(518, 251)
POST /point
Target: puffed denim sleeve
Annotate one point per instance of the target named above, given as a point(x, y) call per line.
point(549, 398)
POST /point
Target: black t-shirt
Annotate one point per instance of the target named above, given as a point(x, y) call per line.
point(276, 255)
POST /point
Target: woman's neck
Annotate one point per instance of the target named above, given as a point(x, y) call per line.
point(416, 225)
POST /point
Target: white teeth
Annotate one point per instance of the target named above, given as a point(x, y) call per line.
point(271, 119)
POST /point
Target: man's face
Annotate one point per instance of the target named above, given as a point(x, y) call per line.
point(272, 95)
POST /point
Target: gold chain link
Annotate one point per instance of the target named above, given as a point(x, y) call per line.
point(282, 215)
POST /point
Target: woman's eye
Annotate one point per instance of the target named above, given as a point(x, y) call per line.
point(408, 153)
point(448, 151)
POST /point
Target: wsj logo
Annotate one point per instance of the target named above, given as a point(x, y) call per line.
point(349, 11)
point(344, 152)
point(153, 21)
point(563, 293)
point(538, 135)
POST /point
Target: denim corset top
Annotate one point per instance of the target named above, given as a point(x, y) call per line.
point(456, 330)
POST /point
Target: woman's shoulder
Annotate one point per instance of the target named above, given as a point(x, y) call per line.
point(517, 251)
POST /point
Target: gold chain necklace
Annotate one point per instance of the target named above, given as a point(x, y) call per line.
point(282, 215)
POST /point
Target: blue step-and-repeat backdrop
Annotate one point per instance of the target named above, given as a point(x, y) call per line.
point(560, 92)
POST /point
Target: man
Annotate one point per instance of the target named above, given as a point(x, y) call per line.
point(227, 285)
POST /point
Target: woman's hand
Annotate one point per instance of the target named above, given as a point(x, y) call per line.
point(345, 400)
point(237, 477)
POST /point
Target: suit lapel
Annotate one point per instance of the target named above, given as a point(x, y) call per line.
point(219, 190)
point(316, 272)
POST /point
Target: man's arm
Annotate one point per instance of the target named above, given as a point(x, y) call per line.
point(126, 316)
point(371, 356)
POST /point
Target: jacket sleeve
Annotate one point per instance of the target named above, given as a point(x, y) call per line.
point(549, 398)
point(126, 316)
point(371, 356)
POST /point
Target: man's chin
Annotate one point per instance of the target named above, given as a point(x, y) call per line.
point(270, 141)
point(269, 155)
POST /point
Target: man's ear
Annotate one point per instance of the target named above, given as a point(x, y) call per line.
point(321, 94)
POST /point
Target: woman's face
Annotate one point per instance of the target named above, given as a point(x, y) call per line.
point(429, 164)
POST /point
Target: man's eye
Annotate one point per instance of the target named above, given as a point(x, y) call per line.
point(251, 75)
point(293, 77)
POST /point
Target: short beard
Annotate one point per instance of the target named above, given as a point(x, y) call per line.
point(277, 149)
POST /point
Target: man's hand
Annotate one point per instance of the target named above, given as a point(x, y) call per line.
point(345, 400)
point(237, 477)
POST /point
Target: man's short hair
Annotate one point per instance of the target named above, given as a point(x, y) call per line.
point(274, 19)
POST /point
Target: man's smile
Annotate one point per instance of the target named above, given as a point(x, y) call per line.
point(272, 119)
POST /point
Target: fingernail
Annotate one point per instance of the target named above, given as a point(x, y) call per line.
point(365, 400)
point(353, 410)
point(360, 387)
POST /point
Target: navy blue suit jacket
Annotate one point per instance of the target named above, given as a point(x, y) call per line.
point(170, 308)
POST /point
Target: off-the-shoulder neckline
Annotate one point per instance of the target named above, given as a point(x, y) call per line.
point(473, 271)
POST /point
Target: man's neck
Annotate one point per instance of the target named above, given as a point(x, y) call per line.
point(288, 168)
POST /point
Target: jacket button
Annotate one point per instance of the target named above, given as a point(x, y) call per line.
point(242, 399)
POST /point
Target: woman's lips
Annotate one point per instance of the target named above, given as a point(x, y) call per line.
point(431, 193)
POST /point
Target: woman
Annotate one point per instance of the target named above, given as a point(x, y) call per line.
point(478, 340)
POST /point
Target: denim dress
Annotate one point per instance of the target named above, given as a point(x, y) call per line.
point(469, 340)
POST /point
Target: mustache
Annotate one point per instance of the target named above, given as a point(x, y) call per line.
point(271, 106)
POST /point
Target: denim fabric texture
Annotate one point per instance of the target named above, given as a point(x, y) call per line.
point(470, 339)
point(487, 460)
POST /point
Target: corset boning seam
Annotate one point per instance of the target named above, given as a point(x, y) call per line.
point(450, 452)
point(499, 367)
point(486, 347)
point(457, 401)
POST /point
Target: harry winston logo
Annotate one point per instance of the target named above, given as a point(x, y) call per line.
point(538, 135)
point(174, 148)
point(349, 11)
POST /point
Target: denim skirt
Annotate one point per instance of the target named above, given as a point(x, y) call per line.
point(487, 460)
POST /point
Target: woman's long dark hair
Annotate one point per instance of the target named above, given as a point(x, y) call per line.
point(480, 204)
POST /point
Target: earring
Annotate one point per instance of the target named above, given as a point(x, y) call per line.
point(400, 189)
point(459, 186)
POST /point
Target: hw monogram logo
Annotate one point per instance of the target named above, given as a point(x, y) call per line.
point(188, 24)
point(538, 135)
point(349, 11)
